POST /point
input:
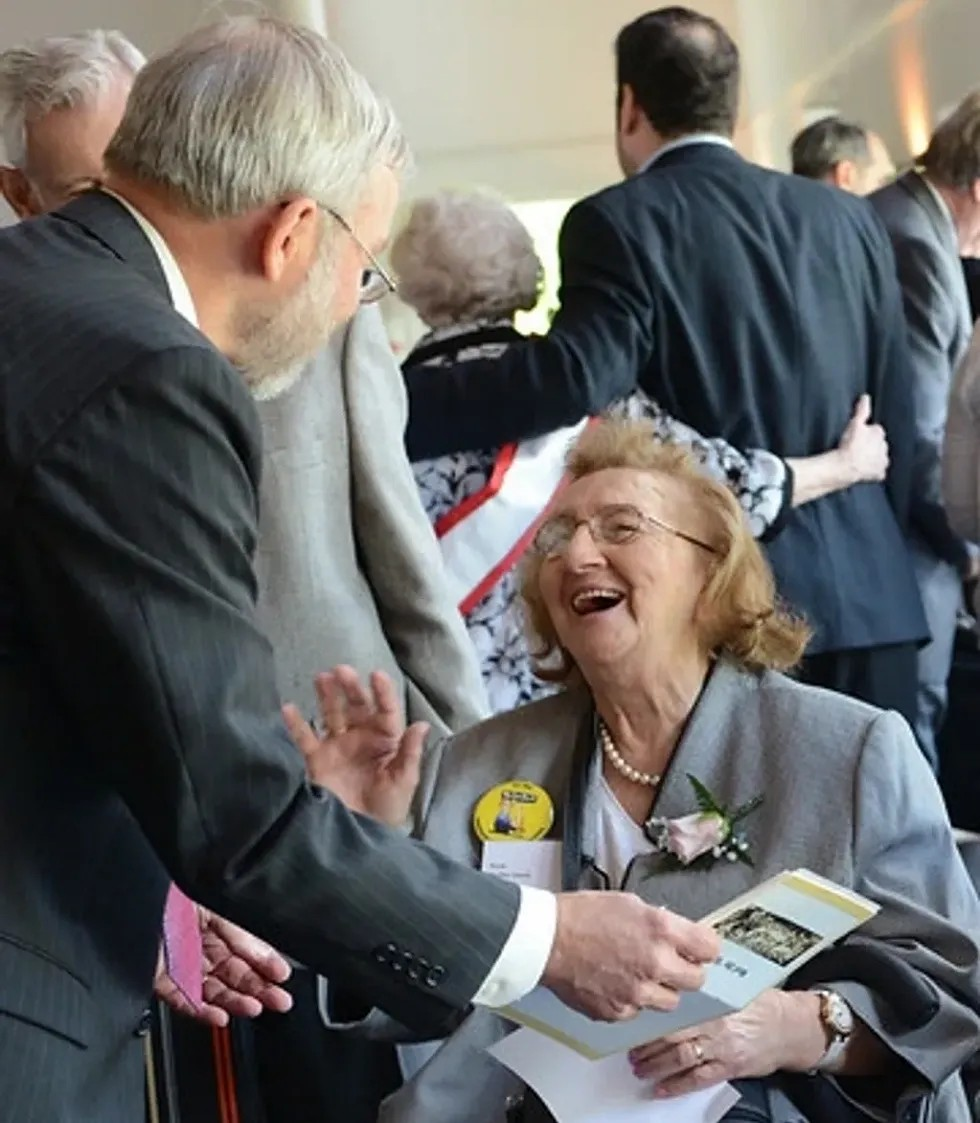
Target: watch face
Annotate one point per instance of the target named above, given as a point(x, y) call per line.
point(837, 1014)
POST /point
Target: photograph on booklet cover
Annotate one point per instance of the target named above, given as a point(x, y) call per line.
point(770, 936)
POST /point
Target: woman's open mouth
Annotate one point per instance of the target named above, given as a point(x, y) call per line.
point(587, 602)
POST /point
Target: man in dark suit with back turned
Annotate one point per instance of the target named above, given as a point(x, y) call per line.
point(750, 304)
point(140, 738)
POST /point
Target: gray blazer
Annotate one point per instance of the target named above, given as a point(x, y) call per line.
point(847, 794)
point(348, 567)
point(937, 309)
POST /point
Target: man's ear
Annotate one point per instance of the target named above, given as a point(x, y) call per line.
point(844, 175)
point(16, 189)
point(629, 112)
point(290, 239)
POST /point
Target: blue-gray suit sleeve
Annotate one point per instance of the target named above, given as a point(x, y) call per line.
point(931, 321)
point(133, 545)
point(906, 860)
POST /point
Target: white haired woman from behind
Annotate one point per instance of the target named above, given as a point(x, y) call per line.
point(467, 266)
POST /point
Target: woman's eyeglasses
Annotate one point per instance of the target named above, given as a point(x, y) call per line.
point(610, 526)
point(376, 282)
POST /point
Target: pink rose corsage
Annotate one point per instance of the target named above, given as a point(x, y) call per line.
point(705, 836)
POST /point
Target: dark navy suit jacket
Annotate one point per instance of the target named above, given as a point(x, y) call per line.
point(751, 305)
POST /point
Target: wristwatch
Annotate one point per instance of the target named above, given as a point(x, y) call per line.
point(838, 1021)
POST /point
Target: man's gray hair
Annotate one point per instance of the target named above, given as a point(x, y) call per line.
point(59, 72)
point(465, 256)
point(953, 156)
point(820, 147)
point(252, 110)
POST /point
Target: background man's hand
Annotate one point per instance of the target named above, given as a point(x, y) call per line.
point(864, 445)
point(365, 755)
point(241, 975)
point(614, 955)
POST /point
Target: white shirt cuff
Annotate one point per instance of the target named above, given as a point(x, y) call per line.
point(522, 960)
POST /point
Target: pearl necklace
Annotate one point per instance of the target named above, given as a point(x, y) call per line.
point(623, 766)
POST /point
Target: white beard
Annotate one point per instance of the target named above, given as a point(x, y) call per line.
point(275, 344)
point(274, 385)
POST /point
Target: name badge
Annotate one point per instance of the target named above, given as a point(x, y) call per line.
point(534, 864)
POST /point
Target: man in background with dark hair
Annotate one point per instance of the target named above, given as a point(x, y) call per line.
point(843, 154)
point(771, 351)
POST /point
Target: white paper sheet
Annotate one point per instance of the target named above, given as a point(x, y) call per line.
point(578, 1090)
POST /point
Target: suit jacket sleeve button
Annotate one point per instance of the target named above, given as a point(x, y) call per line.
point(434, 976)
point(144, 1024)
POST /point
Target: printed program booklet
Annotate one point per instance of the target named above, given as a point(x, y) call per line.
point(767, 934)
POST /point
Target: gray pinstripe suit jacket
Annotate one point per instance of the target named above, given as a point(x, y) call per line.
point(139, 731)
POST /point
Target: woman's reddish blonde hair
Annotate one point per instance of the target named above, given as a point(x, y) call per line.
point(743, 618)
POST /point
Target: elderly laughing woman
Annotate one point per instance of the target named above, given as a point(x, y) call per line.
point(467, 265)
point(654, 608)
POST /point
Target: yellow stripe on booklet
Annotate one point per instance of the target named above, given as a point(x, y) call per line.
point(767, 935)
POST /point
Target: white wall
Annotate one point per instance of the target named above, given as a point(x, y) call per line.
point(516, 94)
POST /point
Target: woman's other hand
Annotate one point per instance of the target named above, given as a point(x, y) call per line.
point(780, 1031)
point(365, 756)
point(864, 445)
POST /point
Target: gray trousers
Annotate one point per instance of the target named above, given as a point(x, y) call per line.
point(942, 596)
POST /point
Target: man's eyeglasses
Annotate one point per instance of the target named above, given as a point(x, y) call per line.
point(376, 282)
point(611, 526)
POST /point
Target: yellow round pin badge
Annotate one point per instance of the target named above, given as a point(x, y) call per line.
point(517, 810)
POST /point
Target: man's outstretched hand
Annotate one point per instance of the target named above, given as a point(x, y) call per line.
point(241, 975)
point(613, 955)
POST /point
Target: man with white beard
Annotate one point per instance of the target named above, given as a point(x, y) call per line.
point(347, 564)
point(337, 434)
point(348, 567)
